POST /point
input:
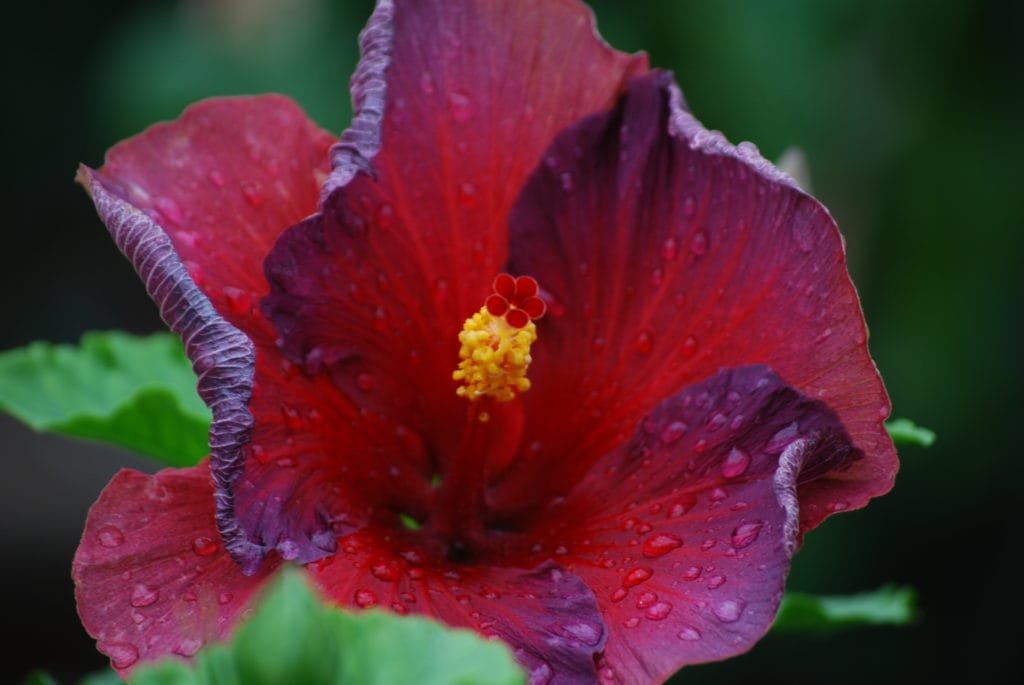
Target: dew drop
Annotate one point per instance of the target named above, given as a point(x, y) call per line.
point(252, 191)
point(224, 597)
point(565, 178)
point(729, 611)
point(669, 249)
point(661, 544)
point(292, 418)
point(689, 633)
point(659, 611)
point(746, 534)
point(460, 106)
point(489, 593)
point(636, 576)
point(631, 622)
point(143, 596)
point(388, 572)
point(838, 506)
point(467, 195)
point(715, 582)
point(110, 536)
point(682, 506)
point(366, 598)
point(736, 463)
point(644, 342)
point(121, 655)
point(645, 599)
point(188, 647)
point(384, 216)
point(716, 421)
point(692, 573)
point(781, 440)
point(673, 432)
point(689, 346)
point(619, 594)
point(204, 546)
point(699, 243)
point(708, 544)
point(365, 381)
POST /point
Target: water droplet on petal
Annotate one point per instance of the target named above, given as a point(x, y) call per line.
point(658, 611)
point(110, 536)
point(366, 598)
point(692, 573)
point(673, 432)
point(121, 655)
point(204, 546)
point(467, 195)
point(661, 544)
point(681, 506)
point(565, 178)
point(715, 582)
point(699, 243)
point(143, 596)
point(384, 216)
point(746, 534)
point(645, 599)
point(729, 611)
point(460, 106)
point(252, 191)
point(388, 572)
point(644, 342)
point(224, 597)
point(736, 463)
point(669, 249)
point(619, 594)
point(689, 633)
point(631, 622)
point(689, 346)
point(707, 544)
point(637, 576)
point(188, 647)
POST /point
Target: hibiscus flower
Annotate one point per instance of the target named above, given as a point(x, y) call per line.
point(527, 350)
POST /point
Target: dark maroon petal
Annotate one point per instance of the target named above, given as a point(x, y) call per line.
point(455, 101)
point(685, 532)
point(222, 356)
point(152, 579)
point(548, 616)
point(667, 254)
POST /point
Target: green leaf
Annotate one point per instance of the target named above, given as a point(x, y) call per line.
point(134, 392)
point(39, 678)
point(906, 432)
point(294, 638)
point(888, 605)
point(104, 677)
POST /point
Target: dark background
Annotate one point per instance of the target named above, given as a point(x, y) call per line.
point(910, 116)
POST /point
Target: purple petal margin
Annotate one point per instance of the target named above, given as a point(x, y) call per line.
point(223, 357)
point(360, 142)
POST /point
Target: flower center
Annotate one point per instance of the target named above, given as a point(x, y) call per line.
point(495, 352)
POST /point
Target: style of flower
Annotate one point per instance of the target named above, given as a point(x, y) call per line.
point(527, 350)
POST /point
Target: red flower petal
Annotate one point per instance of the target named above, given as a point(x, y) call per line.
point(455, 102)
point(151, 577)
point(670, 255)
point(180, 195)
point(685, 532)
point(548, 616)
point(224, 180)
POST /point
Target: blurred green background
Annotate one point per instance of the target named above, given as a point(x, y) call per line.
point(910, 116)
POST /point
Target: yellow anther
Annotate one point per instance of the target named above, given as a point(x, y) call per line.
point(495, 357)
